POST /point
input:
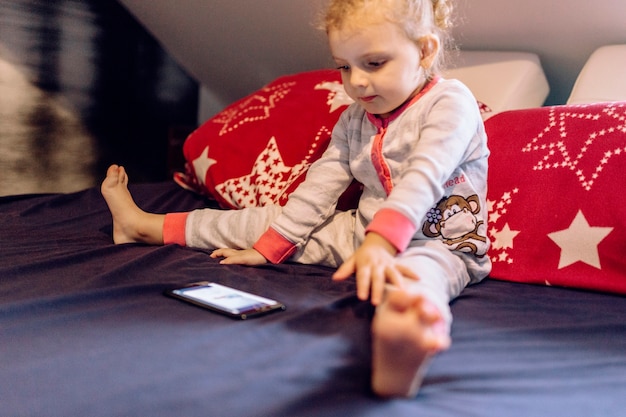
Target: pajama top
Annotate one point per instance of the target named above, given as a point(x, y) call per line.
point(424, 176)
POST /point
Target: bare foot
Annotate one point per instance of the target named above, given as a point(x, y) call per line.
point(407, 332)
point(130, 223)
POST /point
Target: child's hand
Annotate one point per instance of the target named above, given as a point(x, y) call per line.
point(249, 257)
point(374, 264)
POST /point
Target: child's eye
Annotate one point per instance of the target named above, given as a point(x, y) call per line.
point(343, 67)
point(376, 64)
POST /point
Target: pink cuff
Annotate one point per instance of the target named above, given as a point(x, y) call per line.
point(174, 228)
point(274, 247)
point(393, 226)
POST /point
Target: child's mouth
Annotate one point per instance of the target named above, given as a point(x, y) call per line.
point(367, 99)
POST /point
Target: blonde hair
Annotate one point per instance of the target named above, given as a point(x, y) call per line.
point(417, 18)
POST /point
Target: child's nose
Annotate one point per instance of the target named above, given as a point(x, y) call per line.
point(358, 78)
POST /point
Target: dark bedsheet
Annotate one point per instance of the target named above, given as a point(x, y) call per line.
point(86, 331)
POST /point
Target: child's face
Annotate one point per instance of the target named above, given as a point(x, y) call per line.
point(380, 65)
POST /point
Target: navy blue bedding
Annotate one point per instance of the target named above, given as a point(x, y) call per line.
point(86, 331)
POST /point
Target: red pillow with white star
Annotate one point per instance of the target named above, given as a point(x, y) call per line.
point(258, 149)
point(557, 197)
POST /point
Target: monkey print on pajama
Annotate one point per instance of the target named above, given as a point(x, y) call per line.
point(454, 220)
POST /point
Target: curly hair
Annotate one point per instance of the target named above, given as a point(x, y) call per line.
point(417, 18)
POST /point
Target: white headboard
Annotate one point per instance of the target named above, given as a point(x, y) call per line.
point(235, 46)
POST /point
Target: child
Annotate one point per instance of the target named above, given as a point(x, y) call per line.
point(417, 144)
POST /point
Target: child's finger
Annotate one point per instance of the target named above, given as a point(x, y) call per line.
point(395, 276)
point(345, 270)
point(363, 283)
point(377, 287)
point(407, 272)
point(223, 253)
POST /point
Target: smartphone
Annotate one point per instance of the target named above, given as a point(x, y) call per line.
point(225, 300)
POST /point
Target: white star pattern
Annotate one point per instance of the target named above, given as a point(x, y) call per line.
point(269, 179)
point(579, 242)
point(502, 239)
point(253, 109)
point(202, 164)
point(552, 143)
point(337, 96)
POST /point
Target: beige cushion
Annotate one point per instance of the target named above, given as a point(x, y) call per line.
point(603, 77)
point(501, 80)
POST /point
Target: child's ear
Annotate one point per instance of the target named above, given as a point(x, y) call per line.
point(429, 48)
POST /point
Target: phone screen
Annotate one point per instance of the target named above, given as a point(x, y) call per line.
point(226, 299)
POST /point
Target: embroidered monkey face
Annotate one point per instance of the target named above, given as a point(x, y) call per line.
point(454, 220)
point(457, 220)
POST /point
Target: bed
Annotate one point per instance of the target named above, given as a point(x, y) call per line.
point(86, 329)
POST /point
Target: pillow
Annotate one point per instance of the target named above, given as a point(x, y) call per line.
point(557, 200)
point(258, 149)
point(502, 80)
point(602, 77)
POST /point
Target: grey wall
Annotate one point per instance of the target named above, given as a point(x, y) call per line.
point(236, 46)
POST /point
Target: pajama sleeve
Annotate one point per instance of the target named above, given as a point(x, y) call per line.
point(313, 202)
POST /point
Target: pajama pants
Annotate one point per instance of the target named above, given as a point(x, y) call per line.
point(443, 274)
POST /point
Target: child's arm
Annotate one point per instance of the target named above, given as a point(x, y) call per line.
point(374, 264)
